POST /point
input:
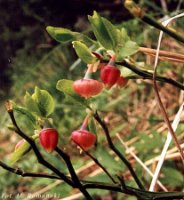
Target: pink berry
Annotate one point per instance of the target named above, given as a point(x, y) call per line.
point(87, 87)
point(49, 139)
point(84, 138)
point(109, 75)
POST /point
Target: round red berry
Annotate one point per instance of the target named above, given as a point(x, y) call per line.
point(109, 75)
point(49, 139)
point(84, 138)
point(87, 87)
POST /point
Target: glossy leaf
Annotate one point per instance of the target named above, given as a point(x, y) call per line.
point(61, 34)
point(44, 101)
point(84, 53)
point(64, 35)
point(128, 49)
point(105, 32)
point(29, 116)
point(31, 104)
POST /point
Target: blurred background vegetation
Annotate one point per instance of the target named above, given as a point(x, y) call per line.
point(29, 57)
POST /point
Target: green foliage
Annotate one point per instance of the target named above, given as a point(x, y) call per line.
point(31, 104)
point(44, 101)
point(116, 105)
point(108, 35)
point(64, 35)
point(31, 119)
point(83, 52)
point(105, 31)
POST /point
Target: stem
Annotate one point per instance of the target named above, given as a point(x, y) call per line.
point(26, 174)
point(116, 151)
point(140, 194)
point(148, 75)
point(85, 122)
point(40, 159)
point(73, 174)
point(166, 118)
point(98, 163)
point(104, 186)
point(135, 10)
point(159, 26)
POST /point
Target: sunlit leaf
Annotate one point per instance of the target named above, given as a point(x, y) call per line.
point(45, 101)
point(84, 53)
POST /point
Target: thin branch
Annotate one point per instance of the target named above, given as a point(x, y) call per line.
point(98, 163)
point(20, 172)
point(117, 152)
point(165, 116)
point(143, 195)
point(105, 186)
point(135, 10)
point(148, 75)
point(40, 159)
point(73, 174)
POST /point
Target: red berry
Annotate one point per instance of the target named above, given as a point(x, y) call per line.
point(87, 87)
point(121, 81)
point(109, 75)
point(84, 138)
point(49, 139)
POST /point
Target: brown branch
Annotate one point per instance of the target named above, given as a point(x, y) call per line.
point(166, 118)
point(20, 172)
point(116, 151)
point(73, 174)
point(98, 163)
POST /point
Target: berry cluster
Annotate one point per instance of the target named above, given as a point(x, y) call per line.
point(110, 75)
point(86, 87)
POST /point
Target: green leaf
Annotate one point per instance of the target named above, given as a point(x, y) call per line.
point(64, 35)
point(105, 32)
point(84, 53)
point(44, 101)
point(66, 86)
point(61, 34)
point(128, 49)
point(27, 113)
point(31, 104)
